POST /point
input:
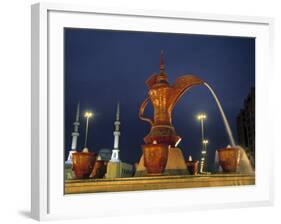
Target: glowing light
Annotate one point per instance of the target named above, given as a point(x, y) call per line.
point(178, 142)
point(88, 114)
point(201, 116)
point(205, 141)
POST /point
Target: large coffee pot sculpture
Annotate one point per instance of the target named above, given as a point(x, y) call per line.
point(162, 135)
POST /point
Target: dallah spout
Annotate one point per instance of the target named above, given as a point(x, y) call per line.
point(181, 85)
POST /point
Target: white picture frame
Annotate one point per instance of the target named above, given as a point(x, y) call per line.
point(48, 200)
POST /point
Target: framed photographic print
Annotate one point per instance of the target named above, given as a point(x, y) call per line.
point(152, 110)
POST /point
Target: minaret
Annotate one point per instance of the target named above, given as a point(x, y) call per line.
point(74, 134)
point(116, 133)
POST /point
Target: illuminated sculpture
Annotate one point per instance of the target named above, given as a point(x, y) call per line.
point(162, 135)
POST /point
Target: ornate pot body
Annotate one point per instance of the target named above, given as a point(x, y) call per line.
point(163, 97)
point(192, 167)
point(229, 159)
point(83, 164)
point(155, 158)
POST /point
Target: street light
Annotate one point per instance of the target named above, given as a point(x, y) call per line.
point(201, 117)
point(205, 141)
point(87, 115)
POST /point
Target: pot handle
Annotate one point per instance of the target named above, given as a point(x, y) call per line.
point(141, 111)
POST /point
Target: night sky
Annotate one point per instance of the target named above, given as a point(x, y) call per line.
point(103, 67)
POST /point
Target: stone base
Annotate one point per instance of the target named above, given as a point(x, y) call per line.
point(175, 165)
point(113, 170)
point(118, 169)
point(156, 183)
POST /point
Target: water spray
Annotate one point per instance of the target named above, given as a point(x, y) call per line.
point(226, 124)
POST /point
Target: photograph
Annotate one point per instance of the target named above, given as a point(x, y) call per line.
point(155, 111)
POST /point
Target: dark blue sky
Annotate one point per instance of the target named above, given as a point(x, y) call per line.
point(103, 67)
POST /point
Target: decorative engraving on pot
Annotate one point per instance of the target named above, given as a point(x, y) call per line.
point(229, 158)
point(83, 164)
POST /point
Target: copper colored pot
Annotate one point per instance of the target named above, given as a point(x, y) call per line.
point(229, 159)
point(192, 167)
point(83, 164)
point(155, 158)
point(99, 169)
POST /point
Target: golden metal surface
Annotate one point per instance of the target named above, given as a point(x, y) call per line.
point(164, 97)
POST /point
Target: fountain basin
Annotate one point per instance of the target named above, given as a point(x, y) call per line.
point(155, 158)
point(83, 164)
point(229, 159)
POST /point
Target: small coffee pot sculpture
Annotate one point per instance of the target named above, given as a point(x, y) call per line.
point(162, 135)
point(192, 166)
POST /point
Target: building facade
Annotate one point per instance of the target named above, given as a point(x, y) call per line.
point(246, 126)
